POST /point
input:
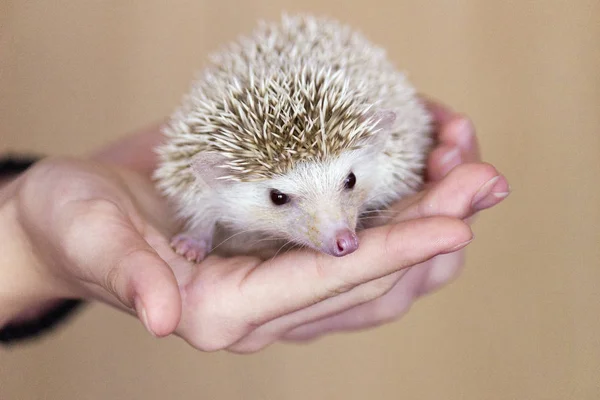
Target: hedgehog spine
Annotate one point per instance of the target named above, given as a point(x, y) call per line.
point(306, 91)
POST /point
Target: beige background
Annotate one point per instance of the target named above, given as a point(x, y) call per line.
point(521, 323)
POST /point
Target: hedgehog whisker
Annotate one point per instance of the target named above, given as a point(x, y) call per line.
point(379, 212)
point(295, 247)
point(285, 244)
point(274, 238)
point(378, 215)
point(376, 218)
point(234, 235)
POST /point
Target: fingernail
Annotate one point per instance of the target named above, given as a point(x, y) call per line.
point(461, 245)
point(489, 194)
point(450, 156)
point(450, 160)
point(142, 315)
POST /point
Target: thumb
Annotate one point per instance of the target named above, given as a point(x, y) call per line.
point(117, 264)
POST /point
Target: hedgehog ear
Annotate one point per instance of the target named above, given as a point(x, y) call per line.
point(208, 167)
point(383, 127)
point(385, 119)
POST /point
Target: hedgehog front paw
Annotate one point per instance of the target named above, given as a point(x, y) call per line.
point(190, 247)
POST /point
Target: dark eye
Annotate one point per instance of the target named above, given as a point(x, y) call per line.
point(279, 198)
point(350, 181)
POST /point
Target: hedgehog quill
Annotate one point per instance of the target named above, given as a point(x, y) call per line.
point(288, 138)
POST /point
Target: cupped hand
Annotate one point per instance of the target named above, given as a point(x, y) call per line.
point(459, 185)
point(99, 231)
point(94, 232)
point(302, 295)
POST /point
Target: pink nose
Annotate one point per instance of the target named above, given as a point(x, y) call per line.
point(346, 242)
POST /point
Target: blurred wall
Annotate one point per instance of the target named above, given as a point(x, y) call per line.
point(520, 323)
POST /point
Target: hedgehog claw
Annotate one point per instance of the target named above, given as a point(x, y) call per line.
point(191, 248)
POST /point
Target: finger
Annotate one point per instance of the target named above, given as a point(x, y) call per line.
point(467, 189)
point(383, 251)
point(440, 113)
point(456, 140)
point(460, 132)
point(182, 269)
point(116, 263)
point(441, 270)
point(298, 280)
point(453, 128)
point(367, 305)
point(275, 329)
point(442, 160)
point(387, 308)
point(455, 133)
point(417, 281)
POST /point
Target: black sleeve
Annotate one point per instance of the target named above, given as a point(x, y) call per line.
point(11, 333)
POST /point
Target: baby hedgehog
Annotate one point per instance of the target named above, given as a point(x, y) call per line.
point(289, 138)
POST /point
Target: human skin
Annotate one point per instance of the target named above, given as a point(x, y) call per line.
point(96, 229)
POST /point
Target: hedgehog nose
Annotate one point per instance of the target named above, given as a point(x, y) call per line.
point(346, 242)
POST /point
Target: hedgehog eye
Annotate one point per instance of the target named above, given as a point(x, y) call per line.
point(279, 198)
point(350, 181)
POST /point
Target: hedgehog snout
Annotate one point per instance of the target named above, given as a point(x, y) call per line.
point(343, 243)
point(335, 232)
point(336, 241)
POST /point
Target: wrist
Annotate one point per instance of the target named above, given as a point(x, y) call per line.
point(26, 287)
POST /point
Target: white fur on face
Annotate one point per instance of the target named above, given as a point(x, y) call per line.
point(319, 203)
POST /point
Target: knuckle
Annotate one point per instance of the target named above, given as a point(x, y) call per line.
point(209, 345)
point(337, 287)
point(111, 280)
point(445, 269)
point(251, 323)
point(487, 171)
point(213, 327)
point(84, 218)
point(248, 347)
point(453, 197)
point(214, 338)
point(380, 287)
point(101, 207)
point(115, 281)
point(385, 310)
point(50, 167)
point(206, 345)
point(484, 170)
point(54, 171)
point(386, 314)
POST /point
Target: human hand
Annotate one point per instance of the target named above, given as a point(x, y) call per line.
point(458, 185)
point(74, 211)
point(96, 232)
point(83, 230)
point(382, 281)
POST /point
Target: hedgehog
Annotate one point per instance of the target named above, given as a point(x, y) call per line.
point(293, 136)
